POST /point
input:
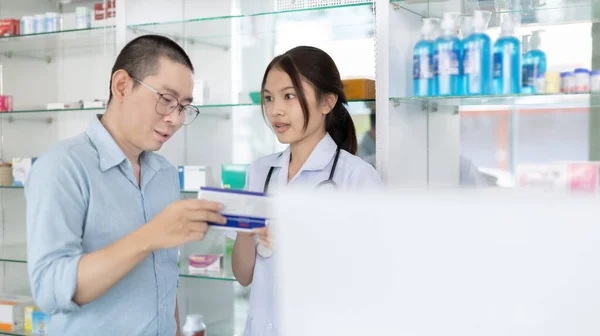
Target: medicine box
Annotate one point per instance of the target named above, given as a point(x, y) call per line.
point(243, 210)
point(10, 27)
point(192, 178)
point(20, 169)
point(359, 89)
point(233, 176)
point(39, 321)
point(12, 311)
point(6, 103)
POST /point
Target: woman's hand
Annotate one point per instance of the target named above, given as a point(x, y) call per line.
point(264, 236)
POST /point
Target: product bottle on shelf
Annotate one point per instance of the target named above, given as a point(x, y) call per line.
point(478, 56)
point(507, 60)
point(446, 58)
point(194, 326)
point(534, 63)
point(423, 59)
point(466, 31)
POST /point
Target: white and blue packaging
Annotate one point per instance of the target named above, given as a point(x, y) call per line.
point(27, 25)
point(244, 210)
point(52, 22)
point(39, 23)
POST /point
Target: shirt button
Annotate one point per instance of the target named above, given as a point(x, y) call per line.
point(269, 326)
point(157, 266)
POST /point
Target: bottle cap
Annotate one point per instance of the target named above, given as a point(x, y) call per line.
point(450, 23)
point(581, 70)
point(429, 28)
point(466, 26)
point(507, 28)
point(536, 40)
point(481, 19)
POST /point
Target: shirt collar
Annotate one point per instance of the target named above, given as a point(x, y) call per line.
point(317, 160)
point(109, 152)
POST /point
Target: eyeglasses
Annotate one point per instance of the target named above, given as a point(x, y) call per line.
point(168, 103)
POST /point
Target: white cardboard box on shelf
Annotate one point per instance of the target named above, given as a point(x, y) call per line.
point(12, 311)
point(21, 167)
point(192, 178)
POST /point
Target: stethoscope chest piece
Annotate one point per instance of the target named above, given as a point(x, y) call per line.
point(263, 251)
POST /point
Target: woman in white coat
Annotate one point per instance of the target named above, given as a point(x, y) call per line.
point(303, 100)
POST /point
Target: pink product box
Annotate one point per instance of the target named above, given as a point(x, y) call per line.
point(6, 103)
point(205, 262)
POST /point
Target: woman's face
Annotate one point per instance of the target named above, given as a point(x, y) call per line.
point(284, 112)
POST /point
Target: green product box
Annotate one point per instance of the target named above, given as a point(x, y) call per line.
point(233, 176)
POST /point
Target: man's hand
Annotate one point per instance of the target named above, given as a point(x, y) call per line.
point(182, 222)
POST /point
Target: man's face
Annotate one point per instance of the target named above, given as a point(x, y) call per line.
point(143, 126)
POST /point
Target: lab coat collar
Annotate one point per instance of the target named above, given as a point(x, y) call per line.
point(317, 160)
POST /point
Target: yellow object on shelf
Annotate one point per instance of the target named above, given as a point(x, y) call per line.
point(359, 88)
point(552, 84)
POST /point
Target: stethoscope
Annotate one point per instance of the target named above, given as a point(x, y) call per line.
point(266, 252)
point(329, 181)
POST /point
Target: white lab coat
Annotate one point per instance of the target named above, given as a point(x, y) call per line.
point(351, 173)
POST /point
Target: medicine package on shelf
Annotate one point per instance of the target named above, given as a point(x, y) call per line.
point(244, 211)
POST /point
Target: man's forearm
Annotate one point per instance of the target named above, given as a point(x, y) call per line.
point(243, 258)
point(99, 271)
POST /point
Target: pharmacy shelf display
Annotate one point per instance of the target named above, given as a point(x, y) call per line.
point(54, 78)
point(509, 87)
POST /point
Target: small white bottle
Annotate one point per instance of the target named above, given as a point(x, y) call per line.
point(194, 326)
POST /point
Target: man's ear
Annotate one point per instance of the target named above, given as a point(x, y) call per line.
point(119, 83)
point(328, 102)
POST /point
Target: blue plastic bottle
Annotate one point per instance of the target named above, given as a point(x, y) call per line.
point(423, 60)
point(478, 56)
point(534, 64)
point(507, 60)
point(446, 58)
point(466, 31)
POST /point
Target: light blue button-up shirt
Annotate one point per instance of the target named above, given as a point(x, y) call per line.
point(351, 173)
point(81, 197)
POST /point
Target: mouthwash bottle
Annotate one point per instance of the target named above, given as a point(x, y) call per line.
point(534, 63)
point(423, 60)
point(507, 59)
point(466, 31)
point(446, 58)
point(478, 56)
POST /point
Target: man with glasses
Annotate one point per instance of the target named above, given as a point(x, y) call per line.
point(104, 218)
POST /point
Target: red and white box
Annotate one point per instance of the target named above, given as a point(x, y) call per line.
point(6, 103)
point(104, 11)
point(10, 27)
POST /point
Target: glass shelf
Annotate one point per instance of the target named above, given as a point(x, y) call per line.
point(568, 11)
point(13, 253)
point(224, 275)
point(258, 29)
point(47, 46)
point(16, 333)
point(18, 254)
point(557, 101)
point(206, 106)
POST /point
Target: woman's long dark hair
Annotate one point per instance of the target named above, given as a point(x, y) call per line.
point(319, 69)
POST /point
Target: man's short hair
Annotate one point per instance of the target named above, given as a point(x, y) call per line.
point(141, 56)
